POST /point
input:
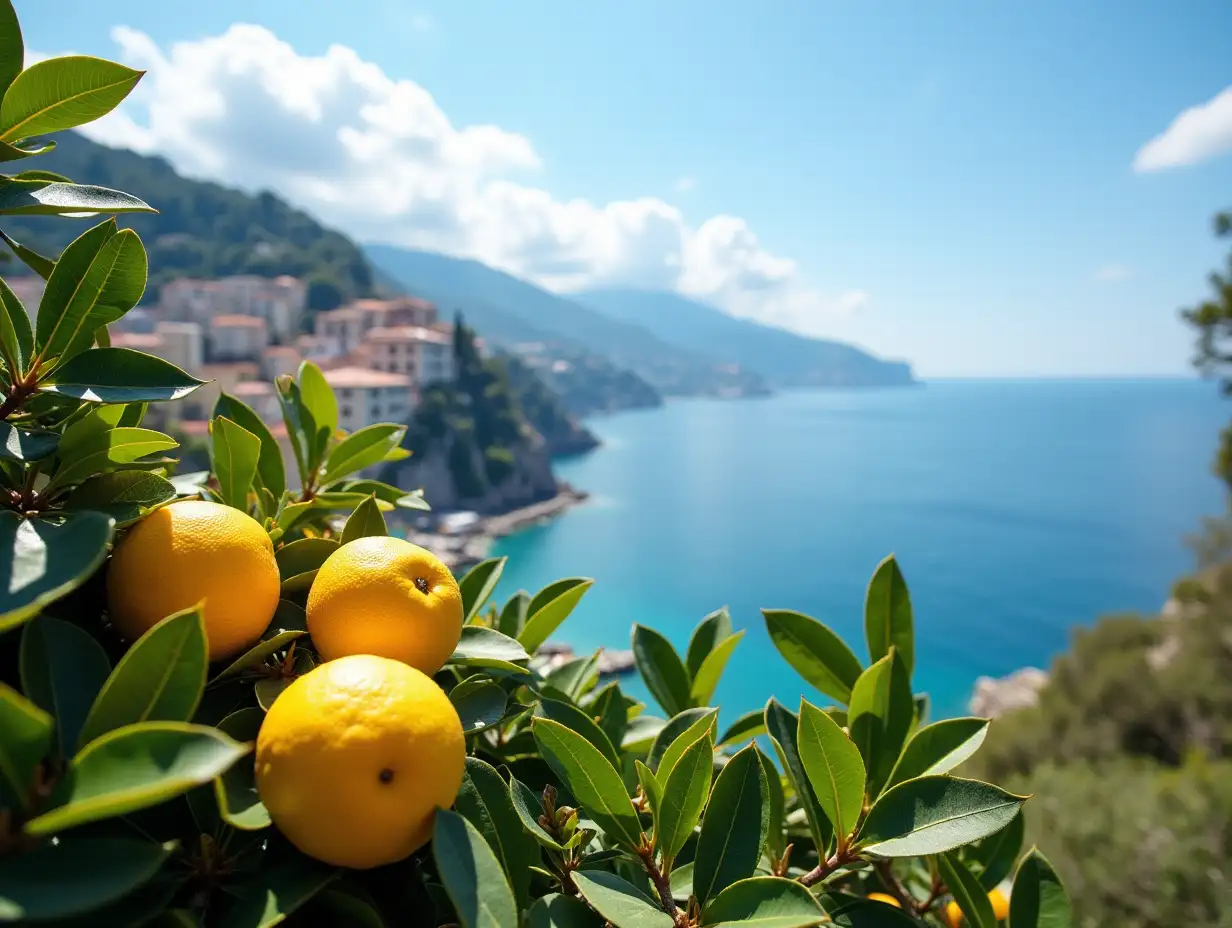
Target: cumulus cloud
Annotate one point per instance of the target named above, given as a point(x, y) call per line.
point(1113, 273)
point(378, 158)
point(1199, 133)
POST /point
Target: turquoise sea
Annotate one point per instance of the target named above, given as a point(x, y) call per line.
point(1018, 510)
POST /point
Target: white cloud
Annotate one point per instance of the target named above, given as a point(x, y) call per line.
point(685, 184)
point(378, 158)
point(1113, 273)
point(1199, 133)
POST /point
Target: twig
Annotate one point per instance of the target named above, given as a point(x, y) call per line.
point(886, 871)
point(826, 867)
point(662, 886)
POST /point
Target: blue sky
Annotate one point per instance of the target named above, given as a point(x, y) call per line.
point(953, 183)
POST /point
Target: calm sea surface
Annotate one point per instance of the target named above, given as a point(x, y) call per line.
point(1017, 510)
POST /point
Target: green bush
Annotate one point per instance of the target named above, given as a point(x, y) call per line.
point(127, 785)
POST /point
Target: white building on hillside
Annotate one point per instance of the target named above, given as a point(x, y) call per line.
point(367, 396)
point(237, 337)
point(280, 301)
point(424, 355)
point(349, 324)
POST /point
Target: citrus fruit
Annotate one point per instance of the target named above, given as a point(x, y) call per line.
point(385, 596)
point(354, 758)
point(953, 915)
point(191, 551)
point(1000, 905)
point(886, 898)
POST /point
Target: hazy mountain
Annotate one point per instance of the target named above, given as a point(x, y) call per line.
point(784, 358)
point(508, 311)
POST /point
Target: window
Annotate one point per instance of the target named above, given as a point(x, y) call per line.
point(346, 412)
point(345, 393)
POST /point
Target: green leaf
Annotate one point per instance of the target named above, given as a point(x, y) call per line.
point(61, 93)
point(486, 647)
point(471, 874)
point(869, 913)
point(549, 608)
point(996, 853)
point(880, 717)
point(783, 727)
point(684, 796)
point(513, 616)
point(750, 725)
point(16, 339)
point(18, 445)
point(640, 733)
point(286, 626)
point(100, 452)
point(776, 840)
point(233, 457)
point(43, 559)
point(126, 495)
point(935, 814)
point(1038, 899)
point(707, 676)
point(75, 875)
point(579, 722)
point(318, 398)
point(236, 789)
point(87, 424)
point(591, 778)
point(967, 892)
point(577, 677)
point(731, 841)
point(62, 670)
point(834, 768)
point(557, 911)
point(478, 584)
point(479, 704)
point(32, 259)
point(484, 800)
point(159, 679)
point(350, 907)
point(270, 470)
point(681, 731)
point(528, 807)
point(301, 429)
point(27, 737)
point(134, 767)
point(888, 619)
point(764, 902)
point(276, 892)
point(620, 902)
point(661, 668)
point(12, 48)
point(816, 653)
point(652, 790)
point(304, 556)
point(362, 448)
point(939, 748)
point(44, 198)
point(712, 631)
point(365, 521)
point(120, 375)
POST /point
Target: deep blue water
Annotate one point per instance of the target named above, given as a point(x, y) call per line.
point(1017, 510)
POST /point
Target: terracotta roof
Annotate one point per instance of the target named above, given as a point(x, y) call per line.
point(237, 321)
point(136, 340)
point(280, 350)
point(253, 388)
point(235, 367)
point(363, 377)
point(345, 312)
point(406, 333)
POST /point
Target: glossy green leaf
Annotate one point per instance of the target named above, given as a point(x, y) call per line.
point(783, 727)
point(967, 892)
point(661, 669)
point(750, 725)
point(63, 668)
point(19, 445)
point(126, 495)
point(707, 677)
point(730, 844)
point(935, 814)
point(234, 452)
point(580, 723)
point(27, 738)
point(939, 748)
point(486, 647)
point(61, 93)
point(880, 716)
point(834, 768)
point(711, 631)
point(594, 782)
point(776, 838)
point(12, 47)
point(286, 626)
point(135, 767)
point(816, 653)
point(764, 902)
point(236, 789)
point(276, 892)
point(44, 198)
point(652, 792)
point(888, 619)
point(16, 337)
point(620, 902)
point(640, 733)
point(1038, 899)
point(101, 452)
point(366, 521)
point(270, 470)
point(87, 424)
point(362, 448)
point(528, 806)
point(484, 800)
point(479, 704)
point(471, 873)
point(301, 429)
point(680, 732)
point(478, 584)
point(318, 397)
point(684, 796)
point(577, 677)
point(32, 259)
point(120, 375)
point(997, 853)
point(74, 876)
point(549, 608)
point(557, 911)
point(43, 559)
point(514, 614)
point(303, 556)
point(869, 913)
point(159, 679)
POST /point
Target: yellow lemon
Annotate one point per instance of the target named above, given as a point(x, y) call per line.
point(953, 915)
point(191, 551)
point(385, 596)
point(886, 898)
point(354, 758)
point(1000, 905)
